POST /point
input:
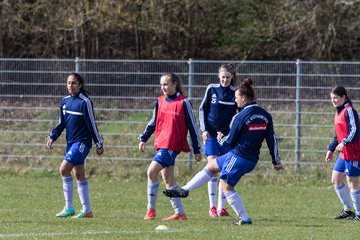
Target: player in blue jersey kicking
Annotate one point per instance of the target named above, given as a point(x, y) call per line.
point(347, 142)
point(215, 113)
point(172, 119)
point(77, 116)
point(248, 129)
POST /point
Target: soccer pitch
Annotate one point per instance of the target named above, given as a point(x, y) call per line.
point(297, 210)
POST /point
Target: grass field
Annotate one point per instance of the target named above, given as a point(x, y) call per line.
point(297, 209)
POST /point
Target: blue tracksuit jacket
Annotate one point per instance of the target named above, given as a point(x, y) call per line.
point(248, 129)
point(77, 116)
point(217, 109)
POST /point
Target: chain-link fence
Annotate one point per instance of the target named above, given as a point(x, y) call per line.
point(296, 93)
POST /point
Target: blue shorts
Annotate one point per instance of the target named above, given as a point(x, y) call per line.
point(350, 168)
point(212, 147)
point(76, 153)
point(165, 157)
point(234, 167)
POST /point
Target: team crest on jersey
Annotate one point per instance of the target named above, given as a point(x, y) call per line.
point(213, 98)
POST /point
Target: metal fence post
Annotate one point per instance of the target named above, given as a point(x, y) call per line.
point(190, 95)
point(77, 65)
point(298, 118)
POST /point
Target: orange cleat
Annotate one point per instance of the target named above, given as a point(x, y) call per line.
point(176, 217)
point(150, 215)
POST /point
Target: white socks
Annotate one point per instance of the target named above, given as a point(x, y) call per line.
point(235, 201)
point(344, 195)
point(83, 191)
point(152, 191)
point(68, 189)
point(199, 179)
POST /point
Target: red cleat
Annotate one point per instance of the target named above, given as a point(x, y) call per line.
point(176, 217)
point(223, 213)
point(213, 212)
point(150, 215)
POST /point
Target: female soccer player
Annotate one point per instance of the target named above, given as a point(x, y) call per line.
point(248, 129)
point(77, 116)
point(347, 143)
point(215, 113)
point(172, 118)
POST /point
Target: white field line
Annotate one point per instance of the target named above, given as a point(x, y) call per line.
point(17, 235)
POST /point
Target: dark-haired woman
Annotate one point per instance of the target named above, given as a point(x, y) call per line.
point(248, 129)
point(172, 119)
point(77, 116)
point(347, 142)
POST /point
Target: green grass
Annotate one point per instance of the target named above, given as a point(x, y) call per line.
point(280, 208)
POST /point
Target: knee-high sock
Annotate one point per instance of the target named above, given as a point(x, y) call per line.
point(212, 184)
point(199, 179)
point(343, 193)
point(83, 191)
point(152, 192)
point(235, 201)
point(68, 189)
point(355, 197)
point(176, 203)
point(221, 199)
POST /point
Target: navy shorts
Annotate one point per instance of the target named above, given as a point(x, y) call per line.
point(165, 157)
point(234, 167)
point(76, 153)
point(350, 168)
point(212, 147)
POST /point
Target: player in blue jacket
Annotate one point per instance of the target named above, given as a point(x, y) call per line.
point(77, 116)
point(248, 129)
point(215, 113)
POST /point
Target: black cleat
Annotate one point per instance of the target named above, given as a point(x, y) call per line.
point(354, 217)
point(176, 193)
point(345, 214)
point(241, 221)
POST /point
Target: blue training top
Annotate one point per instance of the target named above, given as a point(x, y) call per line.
point(248, 129)
point(217, 109)
point(77, 116)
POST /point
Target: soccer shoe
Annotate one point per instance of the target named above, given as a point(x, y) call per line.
point(241, 221)
point(176, 217)
point(354, 217)
point(150, 215)
point(345, 214)
point(66, 212)
point(223, 213)
point(84, 215)
point(213, 212)
point(177, 193)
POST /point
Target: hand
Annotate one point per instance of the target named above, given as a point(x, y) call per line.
point(278, 167)
point(339, 147)
point(49, 143)
point(198, 157)
point(205, 135)
point(142, 146)
point(329, 156)
point(219, 136)
point(99, 151)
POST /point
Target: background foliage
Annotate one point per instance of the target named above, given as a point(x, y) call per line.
point(168, 29)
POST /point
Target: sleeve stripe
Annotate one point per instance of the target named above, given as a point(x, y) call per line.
point(91, 115)
point(352, 125)
point(201, 110)
point(193, 122)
